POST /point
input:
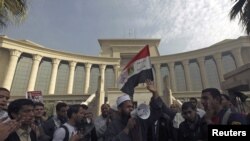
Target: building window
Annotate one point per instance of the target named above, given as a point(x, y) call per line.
point(22, 75)
point(228, 62)
point(62, 79)
point(94, 77)
point(79, 79)
point(195, 76)
point(43, 76)
point(109, 77)
point(180, 77)
point(212, 73)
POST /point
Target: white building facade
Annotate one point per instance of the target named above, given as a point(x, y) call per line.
point(26, 66)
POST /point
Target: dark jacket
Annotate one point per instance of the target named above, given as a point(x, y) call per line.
point(161, 130)
point(193, 131)
point(43, 136)
point(231, 118)
point(49, 127)
point(115, 128)
point(14, 137)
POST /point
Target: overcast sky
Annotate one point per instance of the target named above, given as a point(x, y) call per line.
point(76, 25)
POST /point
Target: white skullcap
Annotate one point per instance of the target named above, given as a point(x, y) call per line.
point(122, 98)
point(114, 107)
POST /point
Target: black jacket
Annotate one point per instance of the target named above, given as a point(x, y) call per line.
point(193, 132)
point(161, 130)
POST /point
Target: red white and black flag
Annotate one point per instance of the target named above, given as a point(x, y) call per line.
point(136, 71)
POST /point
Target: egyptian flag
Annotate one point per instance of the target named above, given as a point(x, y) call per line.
point(136, 71)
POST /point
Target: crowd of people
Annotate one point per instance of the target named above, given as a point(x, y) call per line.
point(24, 120)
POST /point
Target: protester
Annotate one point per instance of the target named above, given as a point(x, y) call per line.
point(57, 120)
point(39, 121)
point(68, 131)
point(194, 128)
point(199, 111)
point(7, 127)
point(215, 114)
point(161, 129)
point(126, 128)
point(178, 119)
point(226, 103)
point(87, 125)
point(4, 97)
point(22, 111)
point(102, 121)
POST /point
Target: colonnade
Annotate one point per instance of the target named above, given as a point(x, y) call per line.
point(236, 53)
point(15, 55)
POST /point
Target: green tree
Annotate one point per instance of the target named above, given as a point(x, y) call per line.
point(241, 8)
point(12, 11)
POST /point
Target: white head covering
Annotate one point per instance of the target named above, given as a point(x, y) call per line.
point(122, 98)
point(114, 107)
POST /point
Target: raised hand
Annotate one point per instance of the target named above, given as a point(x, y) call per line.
point(130, 125)
point(36, 129)
point(6, 128)
point(151, 87)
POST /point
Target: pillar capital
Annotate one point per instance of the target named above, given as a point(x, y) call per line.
point(72, 64)
point(16, 53)
point(185, 62)
point(236, 51)
point(171, 64)
point(56, 61)
point(102, 66)
point(201, 59)
point(88, 65)
point(37, 57)
point(217, 56)
point(157, 65)
point(117, 66)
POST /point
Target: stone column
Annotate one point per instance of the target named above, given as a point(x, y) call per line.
point(201, 63)
point(158, 78)
point(55, 64)
point(237, 56)
point(14, 56)
point(172, 76)
point(102, 89)
point(72, 66)
point(34, 71)
point(87, 77)
point(218, 61)
point(117, 74)
point(187, 74)
point(102, 71)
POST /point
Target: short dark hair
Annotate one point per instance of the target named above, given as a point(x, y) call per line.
point(60, 105)
point(193, 98)
point(187, 105)
point(16, 105)
point(4, 89)
point(215, 93)
point(73, 109)
point(38, 104)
